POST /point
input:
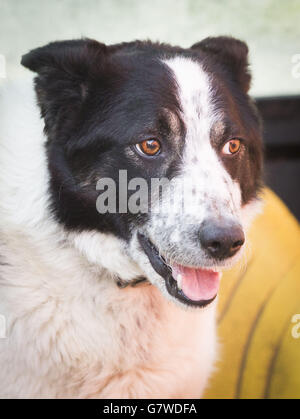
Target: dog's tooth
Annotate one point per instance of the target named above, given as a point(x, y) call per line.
point(179, 281)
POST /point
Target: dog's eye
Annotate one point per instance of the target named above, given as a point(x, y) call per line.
point(232, 146)
point(149, 147)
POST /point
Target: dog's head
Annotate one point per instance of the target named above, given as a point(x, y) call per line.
point(156, 149)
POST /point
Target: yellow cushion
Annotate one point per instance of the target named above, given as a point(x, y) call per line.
point(259, 357)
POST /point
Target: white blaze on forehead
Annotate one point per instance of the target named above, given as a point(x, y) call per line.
point(196, 92)
point(201, 164)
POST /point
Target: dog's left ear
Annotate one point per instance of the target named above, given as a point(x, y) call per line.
point(231, 53)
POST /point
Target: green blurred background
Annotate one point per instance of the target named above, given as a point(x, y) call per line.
point(270, 27)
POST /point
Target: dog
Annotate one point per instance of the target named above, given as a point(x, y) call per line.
point(101, 301)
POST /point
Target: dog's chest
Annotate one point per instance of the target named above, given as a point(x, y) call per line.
point(150, 348)
point(95, 340)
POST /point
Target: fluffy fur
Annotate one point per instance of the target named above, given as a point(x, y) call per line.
point(71, 332)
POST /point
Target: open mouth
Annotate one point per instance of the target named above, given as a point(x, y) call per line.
point(196, 287)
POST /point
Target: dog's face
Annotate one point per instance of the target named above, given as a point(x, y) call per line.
point(175, 136)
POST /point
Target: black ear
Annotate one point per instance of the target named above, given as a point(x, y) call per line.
point(76, 57)
point(231, 53)
point(64, 70)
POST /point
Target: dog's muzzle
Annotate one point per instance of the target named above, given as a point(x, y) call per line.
point(173, 285)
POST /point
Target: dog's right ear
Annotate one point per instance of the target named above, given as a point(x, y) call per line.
point(64, 69)
point(76, 58)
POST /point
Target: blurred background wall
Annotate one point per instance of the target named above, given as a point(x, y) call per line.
point(270, 27)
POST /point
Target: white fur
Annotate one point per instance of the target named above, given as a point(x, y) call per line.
point(70, 331)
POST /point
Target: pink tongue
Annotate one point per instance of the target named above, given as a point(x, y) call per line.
point(197, 284)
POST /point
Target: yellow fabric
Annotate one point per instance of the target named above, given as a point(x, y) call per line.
point(259, 357)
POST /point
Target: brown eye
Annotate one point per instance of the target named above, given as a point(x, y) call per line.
point(232, 146)
point(149, 147)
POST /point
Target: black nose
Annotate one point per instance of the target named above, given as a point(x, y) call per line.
point(221, 238)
